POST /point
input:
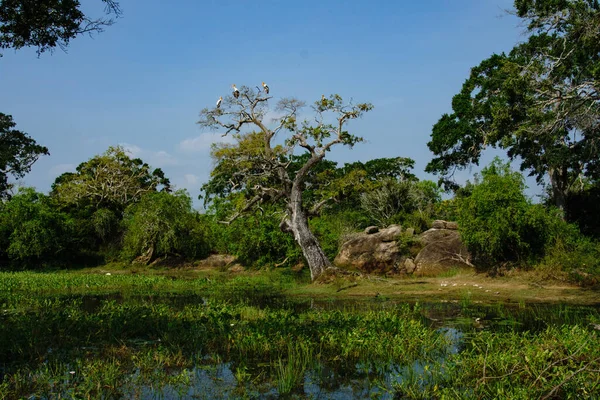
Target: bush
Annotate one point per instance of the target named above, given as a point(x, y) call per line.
point(333, 229)
point(255, 239)
point(406, 202)
point(166, 224)
point(33, 231)
point(498, 223)
point(573, 254)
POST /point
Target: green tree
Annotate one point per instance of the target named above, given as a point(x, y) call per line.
point(33, 230)
point(112, 180)
point(257, 167)
point(399, 201)
point(498, 223)
point(46, 24)
point(18, 152)
point(162, 224)
point(540, 102)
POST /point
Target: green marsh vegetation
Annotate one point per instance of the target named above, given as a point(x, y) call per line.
point(83, 335)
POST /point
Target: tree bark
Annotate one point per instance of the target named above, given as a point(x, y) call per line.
point(559, 183)
point(298, 225)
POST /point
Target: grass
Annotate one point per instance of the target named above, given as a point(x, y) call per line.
point(290, 373)
point(135, 340)
point(93, 335)
point(560, 362)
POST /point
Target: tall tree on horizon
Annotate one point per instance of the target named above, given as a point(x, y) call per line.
point(255, 170)
point(540, 102)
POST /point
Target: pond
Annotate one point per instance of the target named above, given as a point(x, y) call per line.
point(256, 342)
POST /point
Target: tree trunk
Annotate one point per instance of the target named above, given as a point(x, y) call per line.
point(559, 183)
point(311, 249)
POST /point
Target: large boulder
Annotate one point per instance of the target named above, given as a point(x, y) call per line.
point(378, 251)
point(443, 249)
point(375, 252)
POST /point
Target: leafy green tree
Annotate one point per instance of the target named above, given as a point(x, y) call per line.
point(396, 201)
point(46, 24)
point(162, 224)
point(540, 102)
point(33, 230)
point(498, 223)
point(256, 168)
point(255, 239)
point(112, 180)
point(18, 152)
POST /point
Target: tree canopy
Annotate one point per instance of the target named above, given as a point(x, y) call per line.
point(256, 168)
point(540, 102)
point(46, 24)
point(18, 152)
point(112, 180)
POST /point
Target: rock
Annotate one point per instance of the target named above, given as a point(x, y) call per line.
point(390, 233)
point(371, 229)
point(436, 250)
point(441, 224)
point(371, 253)
point(219, 261)
point(436, 235)
point(443, 249)
point(409, 266)
point(452, 225)
point(236, 268)
point(438, 224)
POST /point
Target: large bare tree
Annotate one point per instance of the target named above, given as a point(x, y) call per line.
point(261, 166)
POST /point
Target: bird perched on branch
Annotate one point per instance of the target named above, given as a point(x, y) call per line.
point(219, 102)
point(266, 88)
point(323, 101)
point(236, 92)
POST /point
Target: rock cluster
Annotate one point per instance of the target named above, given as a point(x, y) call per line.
point(396, 251)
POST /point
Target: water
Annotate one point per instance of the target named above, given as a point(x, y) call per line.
point(214, 378)
point(455, 320)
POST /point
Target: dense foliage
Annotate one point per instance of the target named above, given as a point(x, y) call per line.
point(540, 102)
point(18, 152)
point(498, 223)
point(46, 24)
point(33, 232)
point(163, 224)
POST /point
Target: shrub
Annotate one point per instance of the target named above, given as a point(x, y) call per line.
point(498, 223)
point(406, 202)
point(166, 224)
point(570, 252)
point(33, 231)
point(255, 239)
point(332, 230)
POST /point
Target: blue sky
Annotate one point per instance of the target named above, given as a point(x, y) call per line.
point(143, 81)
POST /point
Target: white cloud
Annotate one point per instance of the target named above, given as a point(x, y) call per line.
point(203, 142)
point(133, 150)
point(60, 169)
point(159, 158)
point(190, 179)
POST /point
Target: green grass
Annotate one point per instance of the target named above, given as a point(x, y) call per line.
point(560, 362)
point(79, 335)
point(48, 331)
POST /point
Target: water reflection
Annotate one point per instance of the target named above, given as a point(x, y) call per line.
point(454, 320)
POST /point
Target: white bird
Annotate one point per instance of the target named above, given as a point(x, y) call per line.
point(266, 87)
point(236, 92)
point(219, 102)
